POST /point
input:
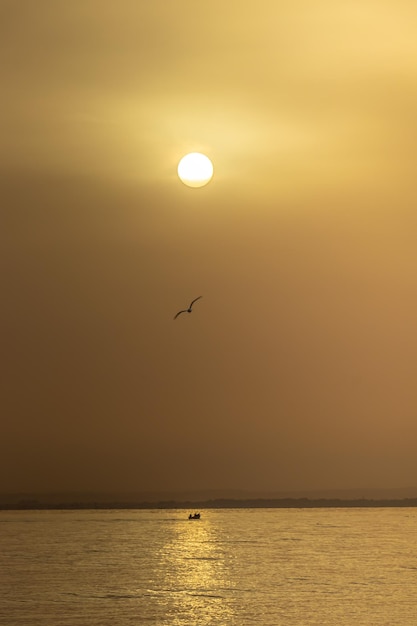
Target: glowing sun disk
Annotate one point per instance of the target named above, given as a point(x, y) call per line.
point(195, 169)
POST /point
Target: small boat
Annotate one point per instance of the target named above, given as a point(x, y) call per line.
point(195, 516)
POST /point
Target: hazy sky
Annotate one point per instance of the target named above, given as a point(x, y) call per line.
point(297, 368)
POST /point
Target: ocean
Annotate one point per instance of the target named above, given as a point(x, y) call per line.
point(237, 567)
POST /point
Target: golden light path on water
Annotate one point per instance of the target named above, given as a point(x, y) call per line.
point(197, 574)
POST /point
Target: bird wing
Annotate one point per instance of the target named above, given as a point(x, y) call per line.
point(179, 313)
point(195, 300)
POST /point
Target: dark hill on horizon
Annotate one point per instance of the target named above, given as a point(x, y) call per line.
point(214, 498)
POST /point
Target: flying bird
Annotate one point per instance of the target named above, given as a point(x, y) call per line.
point(190, 308)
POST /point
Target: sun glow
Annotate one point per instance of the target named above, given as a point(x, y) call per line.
point(195, 169)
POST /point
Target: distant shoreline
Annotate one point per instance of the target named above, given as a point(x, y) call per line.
point(258, 503)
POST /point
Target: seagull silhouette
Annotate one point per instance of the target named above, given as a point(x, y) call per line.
point(190, 308)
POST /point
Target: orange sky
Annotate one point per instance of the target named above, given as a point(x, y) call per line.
point(297, 368)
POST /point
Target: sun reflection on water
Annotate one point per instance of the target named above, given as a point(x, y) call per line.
point(197, 579)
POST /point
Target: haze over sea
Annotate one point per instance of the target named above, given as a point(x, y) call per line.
point(240, 567)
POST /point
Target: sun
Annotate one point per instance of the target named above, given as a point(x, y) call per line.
point(195, 169)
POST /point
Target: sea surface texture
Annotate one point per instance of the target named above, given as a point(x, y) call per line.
point(240, 567)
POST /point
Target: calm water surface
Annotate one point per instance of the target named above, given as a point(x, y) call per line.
point(240, 567)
